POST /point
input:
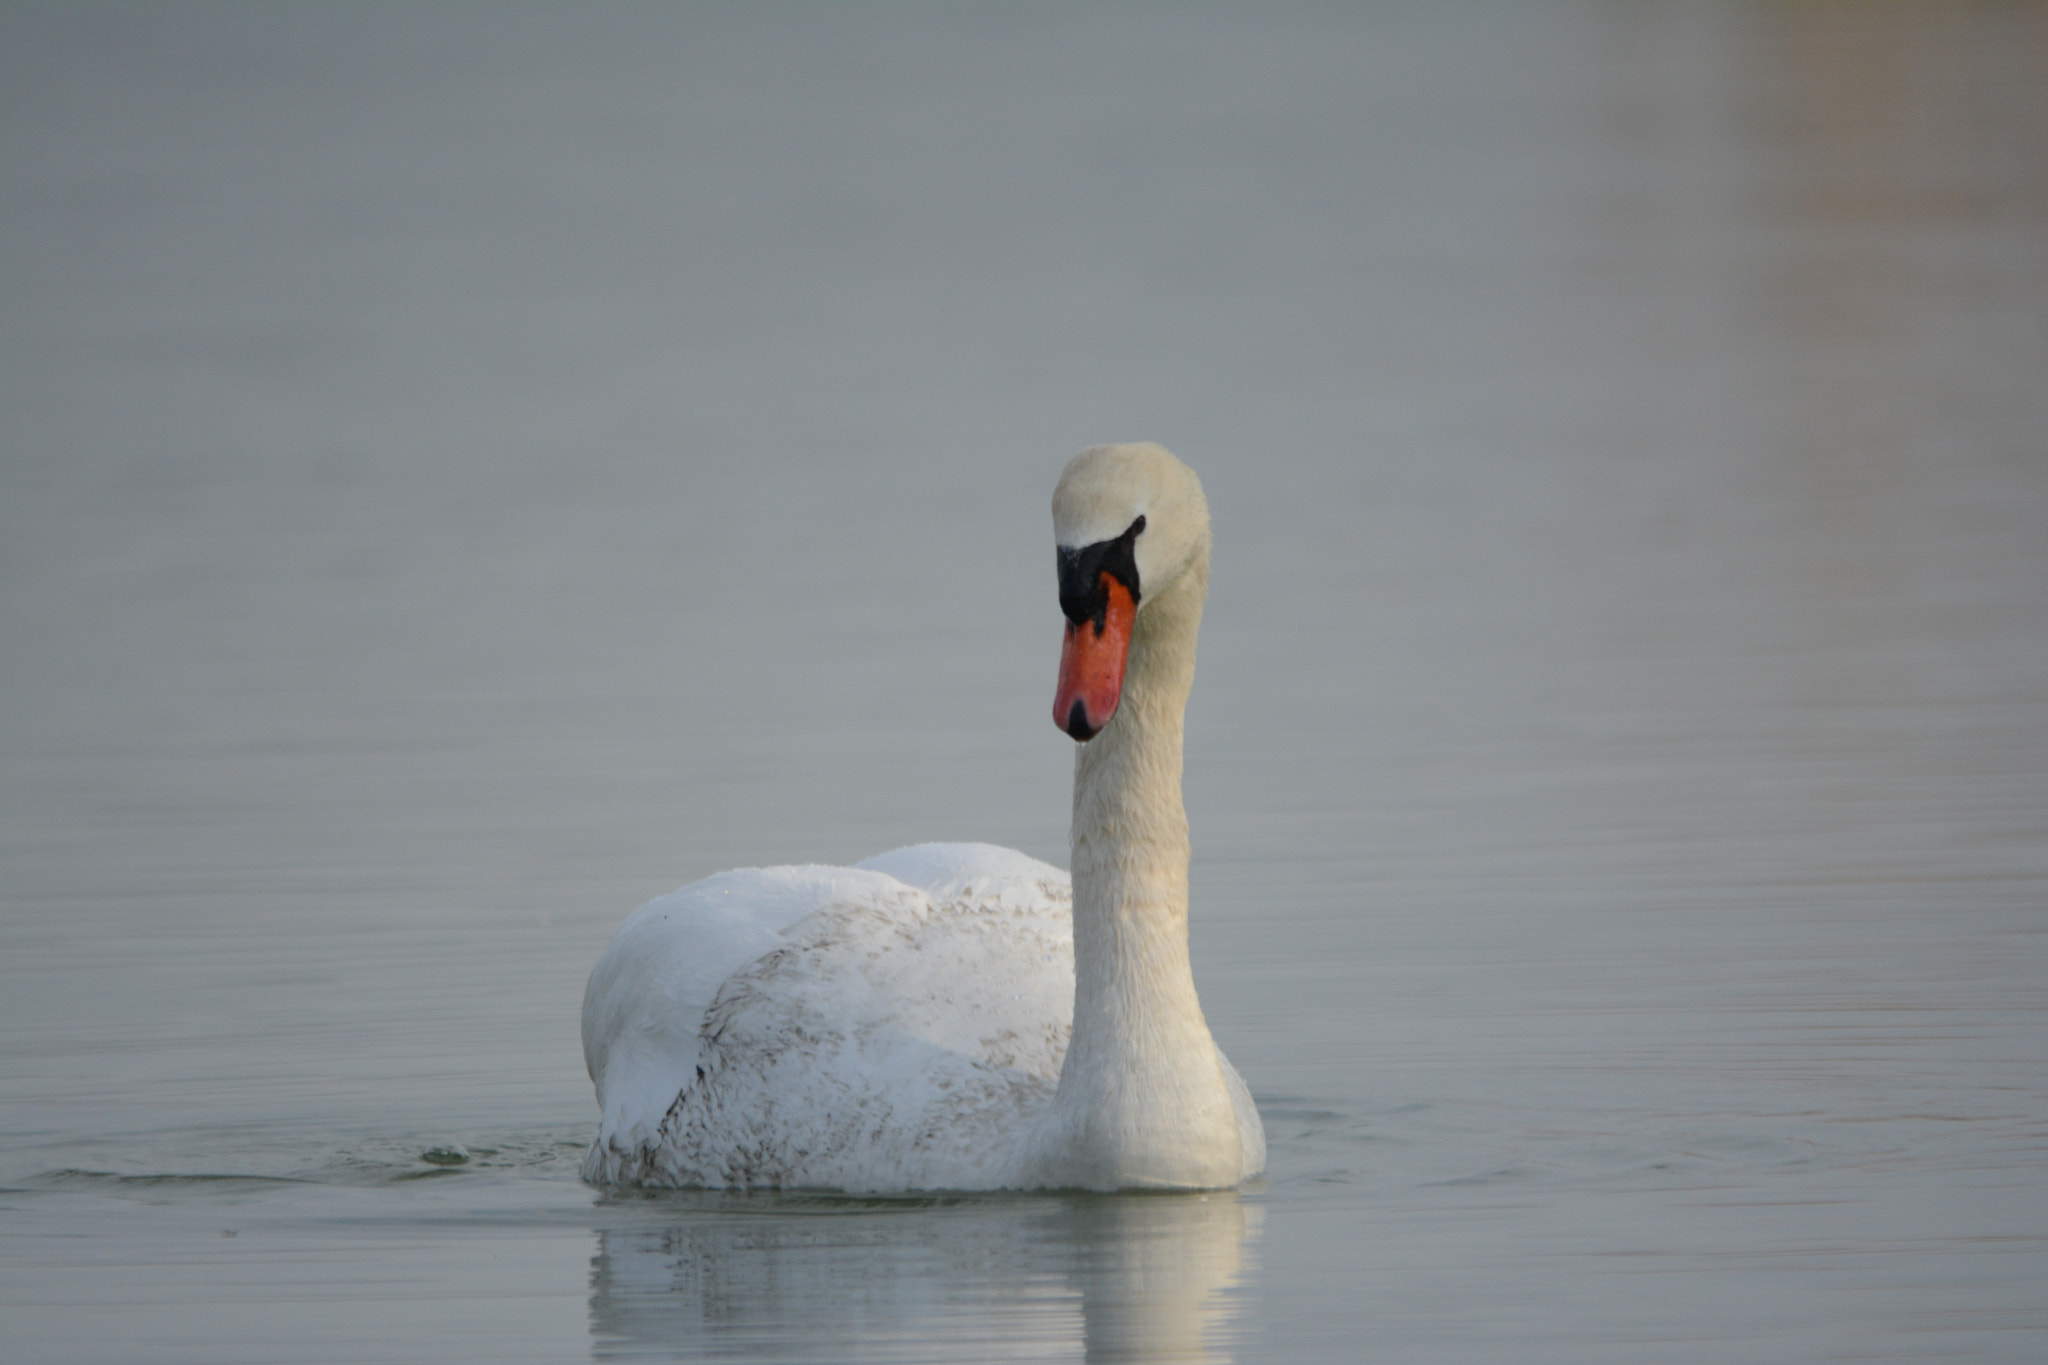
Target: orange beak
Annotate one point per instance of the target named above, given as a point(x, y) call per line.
point(1092, 664)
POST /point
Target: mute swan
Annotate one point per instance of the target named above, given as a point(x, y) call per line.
point(959, 1016)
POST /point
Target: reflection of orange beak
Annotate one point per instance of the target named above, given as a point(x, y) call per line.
point(1092, 664)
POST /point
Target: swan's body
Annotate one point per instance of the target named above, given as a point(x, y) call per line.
point(959, 1016)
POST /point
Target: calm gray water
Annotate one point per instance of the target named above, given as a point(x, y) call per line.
point(465, 471)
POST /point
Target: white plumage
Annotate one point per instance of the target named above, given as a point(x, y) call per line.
point(918, 1021)
point(883, 1026)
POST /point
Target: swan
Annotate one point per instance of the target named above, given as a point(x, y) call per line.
point(959, 1016)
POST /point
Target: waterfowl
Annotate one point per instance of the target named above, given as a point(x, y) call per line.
point(959, 1016)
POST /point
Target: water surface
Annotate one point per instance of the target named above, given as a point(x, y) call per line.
point(466, 472)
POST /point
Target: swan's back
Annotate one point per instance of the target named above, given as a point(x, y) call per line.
point(885, 1026)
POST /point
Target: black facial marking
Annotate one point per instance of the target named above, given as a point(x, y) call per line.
point(1077, 722)
point(1082, 596)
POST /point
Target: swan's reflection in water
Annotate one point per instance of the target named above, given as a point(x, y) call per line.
point(1068, 1277)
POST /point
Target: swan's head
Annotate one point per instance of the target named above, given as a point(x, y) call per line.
point(1128, 521)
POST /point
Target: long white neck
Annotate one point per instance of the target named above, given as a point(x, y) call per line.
point(1142, 1098)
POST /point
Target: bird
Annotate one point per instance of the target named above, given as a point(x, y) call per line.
point(959, 1016)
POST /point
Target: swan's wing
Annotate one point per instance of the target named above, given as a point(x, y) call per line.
point(941, 969)
point(895, 1042)
point(988, 970)
point(643, 1009)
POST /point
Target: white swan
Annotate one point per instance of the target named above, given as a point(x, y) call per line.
point(954, 1016)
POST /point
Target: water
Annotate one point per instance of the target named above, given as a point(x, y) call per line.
point(466, 472)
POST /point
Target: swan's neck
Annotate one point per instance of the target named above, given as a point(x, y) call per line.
point(1142, 1099)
